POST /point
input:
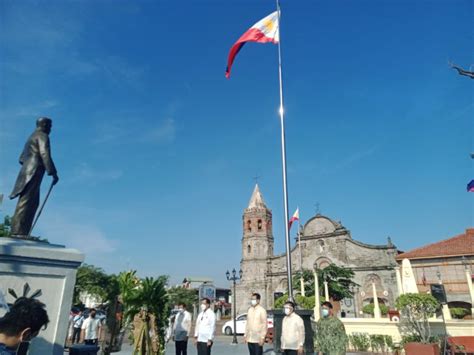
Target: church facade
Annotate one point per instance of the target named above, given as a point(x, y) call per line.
point(323, 241)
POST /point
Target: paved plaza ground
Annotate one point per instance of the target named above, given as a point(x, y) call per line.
point(222, 346)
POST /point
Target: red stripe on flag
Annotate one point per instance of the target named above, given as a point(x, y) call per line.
point(252, 35)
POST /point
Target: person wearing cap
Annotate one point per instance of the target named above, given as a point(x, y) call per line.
point(256, 326)
point(330, 335)
point(292, 333)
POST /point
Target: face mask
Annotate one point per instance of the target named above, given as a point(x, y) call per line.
point(287, 310)
point(253, 302)
point(203, 307)
point(325, 312)
point(92, 315)
point(180, 310)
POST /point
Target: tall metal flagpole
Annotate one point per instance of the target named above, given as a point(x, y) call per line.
point(283, 158)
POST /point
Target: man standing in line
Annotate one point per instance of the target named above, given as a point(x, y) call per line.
point(292, 333)
point(331, 335)
point(256, 326)
point(91, 328)
point(205, 328)
point(35, 160)
point(181, 329)
point(76, 327)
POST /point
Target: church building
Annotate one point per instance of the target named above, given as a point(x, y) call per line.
point(323, 241)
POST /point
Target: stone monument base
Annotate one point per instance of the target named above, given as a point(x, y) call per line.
point(45, 268)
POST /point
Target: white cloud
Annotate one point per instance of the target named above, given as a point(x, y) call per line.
point(165, 132)
point(85, 173)
point(87, 238)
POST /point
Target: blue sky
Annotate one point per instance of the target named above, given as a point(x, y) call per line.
point(156, 150)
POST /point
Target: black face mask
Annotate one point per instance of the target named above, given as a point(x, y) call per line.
point(23, 348)
point(92, 315)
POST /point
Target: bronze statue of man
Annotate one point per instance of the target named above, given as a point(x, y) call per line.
point(35, 160)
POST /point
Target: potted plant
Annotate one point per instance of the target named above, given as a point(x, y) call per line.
point(415, 310)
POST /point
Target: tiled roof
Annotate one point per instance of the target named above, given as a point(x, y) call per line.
point(462, 244)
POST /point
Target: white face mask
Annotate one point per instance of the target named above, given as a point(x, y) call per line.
point(180, 310)
point(253, 302)
point(287, 310)
point(325, 312)
point(203, 307)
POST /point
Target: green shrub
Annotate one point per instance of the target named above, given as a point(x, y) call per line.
point(377, 342)
point(301, 301)
point(388, 340)
point(458, 312)
point(369, 309)
point(360, 341)
point(374, 342)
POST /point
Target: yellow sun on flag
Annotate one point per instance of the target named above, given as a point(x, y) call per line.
point(268, 25)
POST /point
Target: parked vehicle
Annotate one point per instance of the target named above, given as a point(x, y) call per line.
point(241, 321)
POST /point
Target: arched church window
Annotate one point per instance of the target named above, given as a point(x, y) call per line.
point(249, 249)
point(259, 224)
point(321, 246)
point(249, 225)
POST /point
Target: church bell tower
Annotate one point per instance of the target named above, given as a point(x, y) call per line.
point(257, 246)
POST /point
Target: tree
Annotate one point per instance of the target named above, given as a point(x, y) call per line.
point(5, 227)
point(183, 295)
point(416, 309)
point(95, 282)
point(339, 280)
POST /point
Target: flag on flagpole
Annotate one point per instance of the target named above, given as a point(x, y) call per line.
point(470, 186)
point(264, 31)
point(295, 217)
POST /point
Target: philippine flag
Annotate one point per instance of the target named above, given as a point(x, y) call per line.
point(296, 217)
point(470, 186)
point(264, 31)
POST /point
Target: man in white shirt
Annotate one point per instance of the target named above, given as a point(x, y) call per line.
point(77, 326)
point(91, 329)
point(256, 326)
point(292, 333)
point(181, 330)
point(205, 328)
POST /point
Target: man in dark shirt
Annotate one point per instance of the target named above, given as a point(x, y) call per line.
point(21, 323)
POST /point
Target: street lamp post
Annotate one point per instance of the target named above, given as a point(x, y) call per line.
point(234, 278)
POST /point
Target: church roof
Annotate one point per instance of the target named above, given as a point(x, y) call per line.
point(256, 201)
point(462, 244)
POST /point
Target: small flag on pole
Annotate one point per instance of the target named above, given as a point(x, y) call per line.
point(296, 217)
point(264, 31)
point(470, 186)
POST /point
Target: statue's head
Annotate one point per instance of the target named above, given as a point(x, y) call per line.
point(44, 124)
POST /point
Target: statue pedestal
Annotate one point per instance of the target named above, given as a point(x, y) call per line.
point(47, 267)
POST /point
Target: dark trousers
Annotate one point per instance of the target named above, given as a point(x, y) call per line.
point(203, 349)
point(27, 205)
point(255, 349)
point(290, 352)
point(181, 347)
point(76, 335)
